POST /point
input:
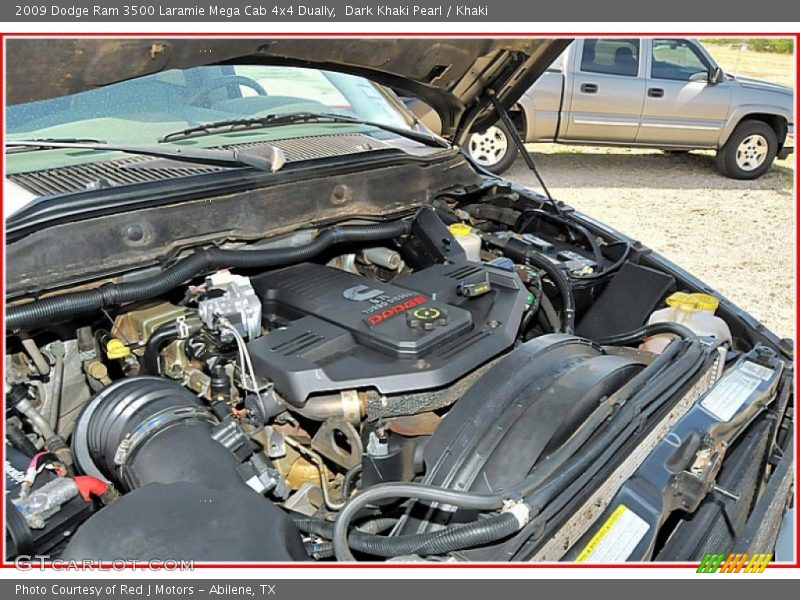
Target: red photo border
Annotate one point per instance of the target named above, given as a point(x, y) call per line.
point(371, 565)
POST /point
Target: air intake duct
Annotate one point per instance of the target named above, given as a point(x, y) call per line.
point(185, 498)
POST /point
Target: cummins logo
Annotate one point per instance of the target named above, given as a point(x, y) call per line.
point(361, 293)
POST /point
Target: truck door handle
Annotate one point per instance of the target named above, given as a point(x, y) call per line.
point(655, 92)
point(589, 88)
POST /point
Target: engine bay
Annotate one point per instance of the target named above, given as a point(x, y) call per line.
point(454, 384)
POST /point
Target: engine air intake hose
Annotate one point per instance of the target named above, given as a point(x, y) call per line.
point(150, 429)
point(184, 497)
point(73, 304)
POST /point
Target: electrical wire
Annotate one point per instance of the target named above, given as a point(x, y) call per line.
point(245, 359)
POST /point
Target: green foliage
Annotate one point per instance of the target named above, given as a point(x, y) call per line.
point(776, 45)
point(781, 46)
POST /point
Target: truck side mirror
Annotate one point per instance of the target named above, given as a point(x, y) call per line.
point(715, 76)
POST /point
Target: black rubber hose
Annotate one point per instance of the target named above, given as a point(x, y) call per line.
point(322, 550)
point(417, 491)
point(548, 317)
point(19, 537)
point(19, 440)
point(595, 247)
point(639, 335)
point(562, 285)
point(74, 304)
point(379, 525)
point(162, 335)
point(590, 279)
point(433, 543)
point(350, 481)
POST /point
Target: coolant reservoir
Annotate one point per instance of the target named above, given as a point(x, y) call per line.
point(695, 311)
point(468, 240)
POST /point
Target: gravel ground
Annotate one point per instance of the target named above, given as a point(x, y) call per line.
point(737, 236)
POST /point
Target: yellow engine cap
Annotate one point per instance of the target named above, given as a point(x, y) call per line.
point(693, 302)
point(116, 349)
point(458, 229)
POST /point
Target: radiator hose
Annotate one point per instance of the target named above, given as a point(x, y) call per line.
point(74, 304)
point(639, 335)
point(562, 284)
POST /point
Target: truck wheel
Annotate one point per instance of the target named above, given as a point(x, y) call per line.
point(749, 152)
point(493, 149)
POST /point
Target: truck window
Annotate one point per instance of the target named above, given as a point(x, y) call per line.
point(612, 56)
point(679, 60)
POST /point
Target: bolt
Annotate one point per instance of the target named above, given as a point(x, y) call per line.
point(340, 195)
point(97, 370)
point(135, 233)
point(765, 352)
point(36, 522)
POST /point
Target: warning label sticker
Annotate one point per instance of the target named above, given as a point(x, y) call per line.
point(752, 368)
point(616, 539)
point(726, 398)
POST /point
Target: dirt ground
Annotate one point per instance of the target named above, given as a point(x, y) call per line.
point(737, 236)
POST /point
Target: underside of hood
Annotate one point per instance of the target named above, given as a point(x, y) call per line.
point(451, 75)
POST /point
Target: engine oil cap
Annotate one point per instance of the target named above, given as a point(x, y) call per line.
point(426, 317)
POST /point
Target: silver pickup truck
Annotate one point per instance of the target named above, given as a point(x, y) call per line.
point(665, 93)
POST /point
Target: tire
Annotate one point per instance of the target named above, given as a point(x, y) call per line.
point(749, 152)
point(493, 149)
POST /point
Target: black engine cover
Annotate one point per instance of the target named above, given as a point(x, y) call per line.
point(345, 331)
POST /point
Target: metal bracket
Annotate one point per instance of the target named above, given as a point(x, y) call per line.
point(325, 443)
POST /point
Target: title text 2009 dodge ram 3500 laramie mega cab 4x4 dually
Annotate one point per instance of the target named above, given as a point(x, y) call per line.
point(254, 312)
point(665, 93)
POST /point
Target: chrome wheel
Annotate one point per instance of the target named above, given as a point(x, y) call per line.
point(489, 147)
point(752, 152)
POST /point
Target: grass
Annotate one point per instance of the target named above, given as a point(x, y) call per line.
point(738, 59)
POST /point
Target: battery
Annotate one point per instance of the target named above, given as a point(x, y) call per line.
point(20, 538)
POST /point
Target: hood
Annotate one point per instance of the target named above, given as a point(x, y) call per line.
point(760, 84)
point(451, 75)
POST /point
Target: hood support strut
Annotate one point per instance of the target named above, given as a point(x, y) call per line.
point(520, 144)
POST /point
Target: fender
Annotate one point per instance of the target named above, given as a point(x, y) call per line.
point(541, 111)
point(742, 111)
